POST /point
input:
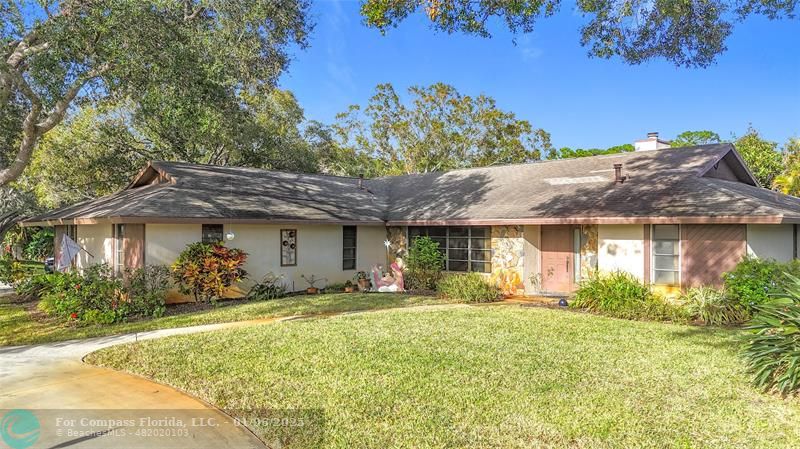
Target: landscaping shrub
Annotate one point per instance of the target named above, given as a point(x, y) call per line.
point(754, 280)
point(36, 286)
point(468, 287)
point(424, 264)
point(146, 290)
point(270, 287)
point(93, 297)
point(773, 348)
point(11, 270)
point(714, 306)
point(621, 295)
point(97, 296)
point(206, 270)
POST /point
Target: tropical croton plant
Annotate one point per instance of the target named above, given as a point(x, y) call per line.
point(206, 270)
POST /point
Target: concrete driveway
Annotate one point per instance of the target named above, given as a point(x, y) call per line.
point(76, 405)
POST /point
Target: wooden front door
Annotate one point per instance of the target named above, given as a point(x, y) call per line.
point(557, 259)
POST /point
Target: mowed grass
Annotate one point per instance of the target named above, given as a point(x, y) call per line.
point(18, 326)
point(497, 376)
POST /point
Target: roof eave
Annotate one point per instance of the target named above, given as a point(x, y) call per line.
point(196, 220)
point(730, 219)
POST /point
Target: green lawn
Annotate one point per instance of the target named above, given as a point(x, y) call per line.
point(18, 327)
point(496, 376)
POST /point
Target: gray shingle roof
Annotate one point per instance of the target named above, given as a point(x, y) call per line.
point(221, 193)
point(661, 184)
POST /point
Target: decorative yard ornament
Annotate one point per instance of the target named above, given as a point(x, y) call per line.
point(563, 302)
point(230, 236)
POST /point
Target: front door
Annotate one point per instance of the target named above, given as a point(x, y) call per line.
point(556, 248)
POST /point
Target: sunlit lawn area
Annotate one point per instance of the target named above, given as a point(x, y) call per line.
point(18, 325)
point(498, 376)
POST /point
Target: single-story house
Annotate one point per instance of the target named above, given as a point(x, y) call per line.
point(674, 218)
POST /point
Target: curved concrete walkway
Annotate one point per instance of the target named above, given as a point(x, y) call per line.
point(51, 381)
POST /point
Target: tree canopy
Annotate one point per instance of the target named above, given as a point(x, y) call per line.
point(566, 152)
point(692, 138)
point(686, 33)
point(438, 129)
point(172, 61)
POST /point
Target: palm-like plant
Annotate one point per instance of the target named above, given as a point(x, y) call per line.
point(773, 347)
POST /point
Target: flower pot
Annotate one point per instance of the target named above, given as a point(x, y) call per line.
point(363, 284)
point(312, 291)
point(348, 289)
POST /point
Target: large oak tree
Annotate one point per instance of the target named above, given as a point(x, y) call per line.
point(436, 129)
point(183, 61)
point(686, 32)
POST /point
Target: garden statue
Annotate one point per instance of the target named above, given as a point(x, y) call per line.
point(389, 281)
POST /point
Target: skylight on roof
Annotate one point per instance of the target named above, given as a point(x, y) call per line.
point(575, 180)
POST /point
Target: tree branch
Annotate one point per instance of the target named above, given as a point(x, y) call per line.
point(60, 108)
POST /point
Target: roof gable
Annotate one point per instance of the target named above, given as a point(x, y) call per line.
point(730, 167)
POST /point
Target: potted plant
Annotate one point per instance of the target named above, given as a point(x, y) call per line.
point(362, 278)
point(348, 287)
point(312, 283)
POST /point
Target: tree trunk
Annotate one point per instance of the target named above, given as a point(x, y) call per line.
point(7, 221)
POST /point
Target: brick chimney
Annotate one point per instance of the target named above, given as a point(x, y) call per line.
point(651, 143)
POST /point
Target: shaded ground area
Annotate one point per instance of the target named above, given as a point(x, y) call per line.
point(22, 324)
point(489, 376)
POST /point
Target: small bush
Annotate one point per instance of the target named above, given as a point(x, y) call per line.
point(94, 296)
point(11, 270)
point(773, 347)
point(713, 306)
point(424, 264)
point(621, 295)
point(469, 287)
point(146, 290)
point(754, 281)
point(270, 287)
point(206, 270)
point(35, 286)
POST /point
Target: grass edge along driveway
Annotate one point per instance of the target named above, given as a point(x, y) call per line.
point(18, 326)
point(490, 377)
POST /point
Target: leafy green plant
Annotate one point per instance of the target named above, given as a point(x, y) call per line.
point(621, 295)
point(772, 350)
point(335, 287)
point(270, 287)
point(95, 296)
point(754, 280)
point(424, 264)
point(40, 245)
point(35, 286)
point(146, 290)
point(11, 270)
point(713, 306)
point(206, 270)
point(468, 287)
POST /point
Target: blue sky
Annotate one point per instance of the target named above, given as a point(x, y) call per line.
point(547, 78)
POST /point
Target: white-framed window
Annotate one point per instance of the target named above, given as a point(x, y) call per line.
point(666, 254)
point(466, 248)
point(119, 248)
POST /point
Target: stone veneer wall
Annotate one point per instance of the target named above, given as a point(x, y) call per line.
point(398, 242)
point(508, 257)
point(588, 250)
